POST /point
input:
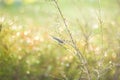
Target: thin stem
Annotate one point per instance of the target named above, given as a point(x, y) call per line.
point(101, 30)
point(69, 33)
point(101, 25)
point(79, 54)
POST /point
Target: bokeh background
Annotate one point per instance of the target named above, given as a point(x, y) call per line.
point(28, 50)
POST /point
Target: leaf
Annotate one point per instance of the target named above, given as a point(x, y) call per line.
point(58, 40)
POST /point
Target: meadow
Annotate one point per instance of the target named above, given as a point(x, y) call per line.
point(59, 40)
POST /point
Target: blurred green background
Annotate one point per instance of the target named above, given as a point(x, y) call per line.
point(28, 52)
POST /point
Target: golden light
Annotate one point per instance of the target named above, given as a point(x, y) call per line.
point(14, 27)
point(28, 72)
point(95, 26)
point(8, 2)
point(29, 1)
point(36, 38)
point(2, 19)
point(26, 32)
point(18, 34)
point(105, 54)
point(19, 57)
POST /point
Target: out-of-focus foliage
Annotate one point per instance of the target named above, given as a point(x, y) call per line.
point(28, 52)
point(10, 2)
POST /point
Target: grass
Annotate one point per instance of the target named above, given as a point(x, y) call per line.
point(27, 52)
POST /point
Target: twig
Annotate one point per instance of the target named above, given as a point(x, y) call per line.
point(79, 54)
point(69, 33)
point(101, 25)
